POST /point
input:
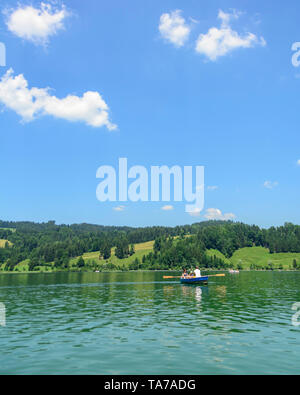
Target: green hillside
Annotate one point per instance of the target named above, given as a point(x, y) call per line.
point(140, 250)
point(93, 258)
point(11, 229)
point(245, 258)
point(3, 242)
point(259, 257)
point(218, 254)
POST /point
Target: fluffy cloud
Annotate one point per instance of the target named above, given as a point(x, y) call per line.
point(216, 214)
point(270, 184)
point(167, 208)
point(119, 208)
point(31, 103)
point(220, 41)
point(174, 29)
point(298, 162)
point(195, 213)
point(36, 24)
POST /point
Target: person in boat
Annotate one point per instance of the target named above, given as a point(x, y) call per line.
point(197, 272)
point(184, 274)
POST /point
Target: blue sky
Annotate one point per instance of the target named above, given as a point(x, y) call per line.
point(237, 115)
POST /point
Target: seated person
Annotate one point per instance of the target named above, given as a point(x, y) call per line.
point(184, 274)
point(197, 272)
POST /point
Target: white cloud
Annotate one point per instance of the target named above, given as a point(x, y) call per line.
point(216, 214)
point(220, 41)
point(31, 103)
point(212, 187)
point(195, 213)
point(119, 208)
point(36, 24)
point(270, 184)
point(298, 162)
point(167, 208)
point(173, 28)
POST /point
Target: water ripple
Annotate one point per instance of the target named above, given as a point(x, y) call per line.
point(136, 323)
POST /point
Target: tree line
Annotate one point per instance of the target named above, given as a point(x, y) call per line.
point(45, 243)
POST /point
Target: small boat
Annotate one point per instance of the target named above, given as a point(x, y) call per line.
point(234, 271)
point(194, 280)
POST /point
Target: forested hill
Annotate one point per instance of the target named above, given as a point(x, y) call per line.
point(44, 243)
point(48, 242)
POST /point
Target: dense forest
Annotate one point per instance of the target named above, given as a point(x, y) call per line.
point(48, 244)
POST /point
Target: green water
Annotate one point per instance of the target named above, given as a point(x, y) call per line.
point(136, 323)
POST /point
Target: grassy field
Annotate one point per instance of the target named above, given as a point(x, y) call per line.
point(258, 257)
point(218, 254)
point(23, 266)
point(140, 250)
point(261, 257)
point(3, 242)
point(245, 257)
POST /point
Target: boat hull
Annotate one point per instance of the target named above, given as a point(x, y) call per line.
point(196, 280)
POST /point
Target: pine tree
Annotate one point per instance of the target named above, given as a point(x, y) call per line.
point(132, 249)
point(80, 262)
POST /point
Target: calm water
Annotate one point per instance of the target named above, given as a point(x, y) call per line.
point(136, 323)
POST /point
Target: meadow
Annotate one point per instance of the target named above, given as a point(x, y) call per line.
point(140, 250)
point(3, 242)
point(258, 258)
point(261, 257)
point(247, 258)
point(93, 258)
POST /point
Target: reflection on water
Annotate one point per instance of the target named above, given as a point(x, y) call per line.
point(193, 291)
point(221, 291)
point(124, 323)
point(198, 294)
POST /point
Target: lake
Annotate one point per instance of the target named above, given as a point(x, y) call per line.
point(137, 323)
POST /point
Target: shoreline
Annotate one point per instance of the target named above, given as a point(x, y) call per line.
point(146, 271)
